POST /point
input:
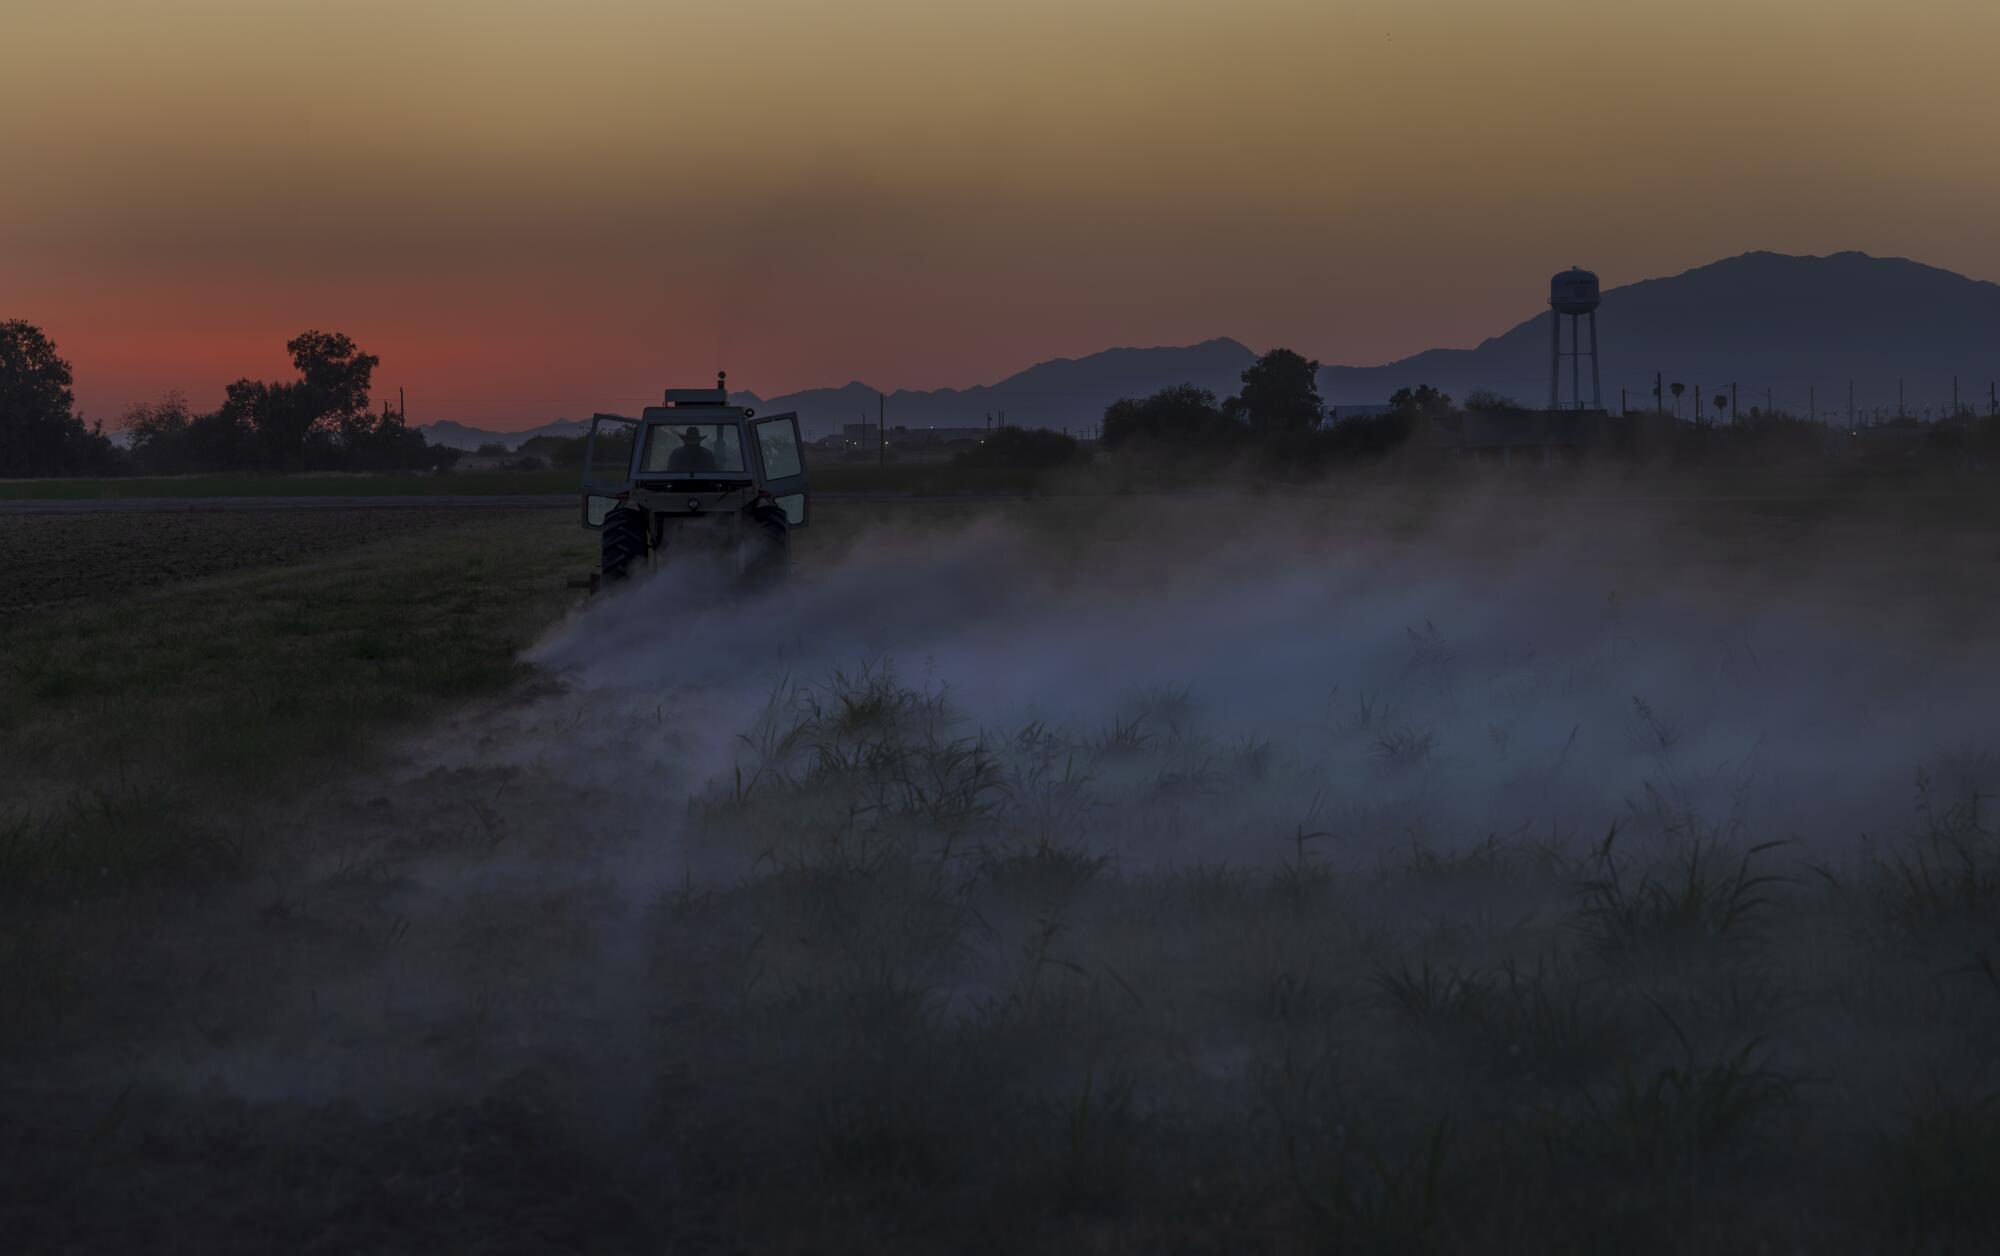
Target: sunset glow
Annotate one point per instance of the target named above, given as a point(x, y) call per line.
point(537, 209)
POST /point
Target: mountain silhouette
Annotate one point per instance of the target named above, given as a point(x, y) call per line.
point(1802, 327)
point(1062, 392)
point(459, 436)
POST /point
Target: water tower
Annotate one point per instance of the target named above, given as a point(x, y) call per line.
point(1573, 296)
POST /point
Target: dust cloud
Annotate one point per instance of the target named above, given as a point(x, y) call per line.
point(1393, 692)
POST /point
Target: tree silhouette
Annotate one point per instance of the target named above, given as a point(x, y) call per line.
point(40, 432)
point(156, 435)
point(1677, 389)
point(333, 384)
point(1421, 402)
point(1485, 400)
point(319, 419)
point(1280, 394)
point(334, 373)
point(1277, 424)
point(1180, 415)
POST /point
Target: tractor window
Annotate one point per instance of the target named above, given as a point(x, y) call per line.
point(692, 449)
point(778, 441)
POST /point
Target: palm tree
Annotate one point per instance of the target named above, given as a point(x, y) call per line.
point(1677, 389)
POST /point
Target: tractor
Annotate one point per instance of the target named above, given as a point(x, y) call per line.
point(694, 475)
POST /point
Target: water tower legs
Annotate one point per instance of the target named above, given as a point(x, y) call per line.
point(1576, 361)
point(1596, 387)
point(1555, 361)
point(1576, 354)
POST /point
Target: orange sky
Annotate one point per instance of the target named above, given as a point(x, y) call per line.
point(538, 209)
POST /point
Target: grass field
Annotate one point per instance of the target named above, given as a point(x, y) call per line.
point(52, 560)
point(127, 711)
point(1343, 875)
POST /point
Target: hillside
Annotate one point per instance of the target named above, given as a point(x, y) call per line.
point(1761, 320)
point(1063, 392)
point(1802, 327)
point(459, 436)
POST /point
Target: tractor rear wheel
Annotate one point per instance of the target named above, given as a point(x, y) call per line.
point(621, 543)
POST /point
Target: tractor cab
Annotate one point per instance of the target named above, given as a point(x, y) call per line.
point(694, 470)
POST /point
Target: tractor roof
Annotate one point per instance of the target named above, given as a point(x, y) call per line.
point(697, 397)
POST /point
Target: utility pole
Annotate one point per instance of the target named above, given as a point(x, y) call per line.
point(402, 407)
point(1812, 401)
point(1732, 403)
point(1899, 400)
point(1621, 401)
point(881, 431)
point(1850, 405)
point(1697, 402)
point(1954, 396)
